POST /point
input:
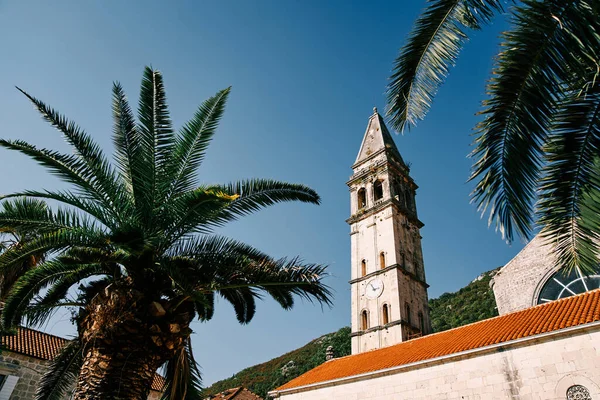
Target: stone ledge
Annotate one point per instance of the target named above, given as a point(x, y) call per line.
point(386, 269)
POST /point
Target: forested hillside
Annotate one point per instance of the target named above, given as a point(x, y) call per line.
point(472, 303)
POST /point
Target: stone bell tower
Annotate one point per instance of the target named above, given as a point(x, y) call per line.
point(389, 291)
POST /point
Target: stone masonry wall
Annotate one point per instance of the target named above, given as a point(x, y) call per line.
point(30, 370)
point(539, 371)
point(516, 284)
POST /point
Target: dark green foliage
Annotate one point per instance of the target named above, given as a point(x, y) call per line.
point(474, 302)
point(267, 376)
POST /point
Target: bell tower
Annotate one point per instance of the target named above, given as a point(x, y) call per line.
point(388, 287)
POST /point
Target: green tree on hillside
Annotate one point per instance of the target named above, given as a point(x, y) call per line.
point(136, 237)
point(537, 146)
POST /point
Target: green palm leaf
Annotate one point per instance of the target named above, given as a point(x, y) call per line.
point(27, 287)
point(126, 139)
point(571, 187)
point(87, 206)
point(538, 55)
point(62, 371)
point(193, 140)
point(182, 378)
point(97, 168)
point(432, 48)
point(156, 137)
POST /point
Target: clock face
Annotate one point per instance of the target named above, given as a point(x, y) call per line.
point(374, 289)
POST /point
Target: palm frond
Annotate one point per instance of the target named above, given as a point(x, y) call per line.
point(192, 142)
point(69, 168)
point(87, 206)
point(126, 139)
point(54, 242)
point(156, 135)
point(538, 60)
point(182, 376)
point(432, 48)
point(42, 308)
point(98, 169)
point(28, 215)
point(30, 284)
point(568, 211)
point(243, 301)
point(61, 373)
point(256, 194)
point(192, 210)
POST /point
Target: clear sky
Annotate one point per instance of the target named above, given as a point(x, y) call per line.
point(305, 76)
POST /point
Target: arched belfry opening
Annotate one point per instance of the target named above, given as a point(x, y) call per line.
point(363, 267)
point(364, 320)
point(385, 313)
point(377, 190)
point(362, 198)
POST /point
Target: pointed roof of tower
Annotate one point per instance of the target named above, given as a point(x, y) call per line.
point(377, 138)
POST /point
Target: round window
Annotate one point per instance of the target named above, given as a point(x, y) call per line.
point(568, 283)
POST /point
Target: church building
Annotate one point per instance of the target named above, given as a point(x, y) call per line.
point(545, 345)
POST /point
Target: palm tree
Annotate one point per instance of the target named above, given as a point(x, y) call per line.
point(536, 149)
point(135, 239)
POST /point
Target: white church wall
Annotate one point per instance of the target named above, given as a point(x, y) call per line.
point(542, 370)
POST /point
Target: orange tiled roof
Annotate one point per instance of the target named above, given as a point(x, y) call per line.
point(33, 343)
point(158, 383)
point(44, 346)
point(561, 314)
point(238, 393)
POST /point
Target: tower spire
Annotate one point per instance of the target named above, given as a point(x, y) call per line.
point(377, 139)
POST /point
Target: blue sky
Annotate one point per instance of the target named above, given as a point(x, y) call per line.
point(305, 76)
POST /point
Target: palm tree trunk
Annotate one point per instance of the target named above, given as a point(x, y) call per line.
point(108, 374)
point(127, 336)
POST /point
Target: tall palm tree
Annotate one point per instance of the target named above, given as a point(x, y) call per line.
point(136, 241)
point(537, 146)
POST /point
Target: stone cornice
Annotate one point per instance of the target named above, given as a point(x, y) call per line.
point(367, 212)
point(380, 327)
point(382, 165)
point(386, 269)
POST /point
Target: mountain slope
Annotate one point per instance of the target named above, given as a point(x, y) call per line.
point(472, 303)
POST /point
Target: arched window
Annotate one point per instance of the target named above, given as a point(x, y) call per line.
point(364, 320)
point(407, 310)
point(568, 283)
point(377, 190)
point(386, 314)
point(382, 260)
point(362, 198)
point(363, 267)
point(421, 322)
point(578, 392)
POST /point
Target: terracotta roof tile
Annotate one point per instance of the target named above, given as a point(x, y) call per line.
point(33, 343)
point(158, 383)
point(238, 393)
point(561, 314)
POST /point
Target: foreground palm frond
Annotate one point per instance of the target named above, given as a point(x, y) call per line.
point(432, 48)
point(537, 123)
